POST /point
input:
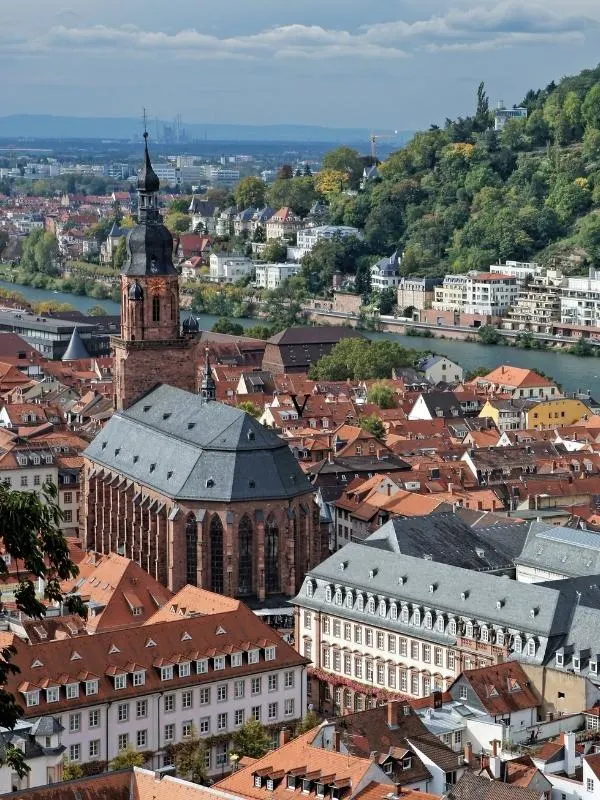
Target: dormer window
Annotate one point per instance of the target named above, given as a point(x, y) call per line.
point(166, 673)
point(387, 768)
point(576, 663)
point(416, 617)
point(371, 605)
point(52, 694)
point(518, 642)
point(91, 687)
point(485, 634)
point(309, 588)
point(338, 597)
point(328, 594)
point(270, 653)
point(253, 656)
point(382, 608)
point(594, 667)
point(72, 690)
point(349, 599)
point(469, 630)
point(291, 781)
point(440, 624)
point(184, 669)
point(560, 660)
point(305, 785)
point(500, 638)
point(404, 614)
point(406, 762)
point(320, 790)
point(32, 698)
point(531, 647)
point(139, 677)
point(393, 611)
point(202, 666)
point(120, 681)
point(236, 659)
point(428, 622)
point(219, 662)
point(257, 781)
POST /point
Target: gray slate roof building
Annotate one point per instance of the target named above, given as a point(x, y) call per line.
point(559, 551)
point(440, 537)
point(174, 442)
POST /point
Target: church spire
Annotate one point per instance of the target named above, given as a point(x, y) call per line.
point(148, 182)
point(208, 389)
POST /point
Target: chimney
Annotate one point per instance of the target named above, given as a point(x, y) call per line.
point(494, 744)
point(337, 738)
point(468, 754)
point(496, 767)
point(450, 488)
point(284, 736)
point(393, 709)
point(436, 699)
point(567, 739)
point(389, 490)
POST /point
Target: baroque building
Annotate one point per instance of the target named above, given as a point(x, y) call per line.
point(194, 491)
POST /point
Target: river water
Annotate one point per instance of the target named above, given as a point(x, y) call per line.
point(571, 372)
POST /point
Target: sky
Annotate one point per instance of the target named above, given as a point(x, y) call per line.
point(376, 64)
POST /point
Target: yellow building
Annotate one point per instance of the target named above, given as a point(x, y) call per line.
point(507, 414)
point(556, 413)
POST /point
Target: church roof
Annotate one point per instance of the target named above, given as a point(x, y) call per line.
point(76, 348)
point(177, 444)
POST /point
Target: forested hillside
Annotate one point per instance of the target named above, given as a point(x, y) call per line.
point(463, 196)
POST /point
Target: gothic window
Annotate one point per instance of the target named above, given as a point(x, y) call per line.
point(156, 308)
point(191, 551)
point(245, 556)
point(216, 554)
point(271, 556)
point(173, 305)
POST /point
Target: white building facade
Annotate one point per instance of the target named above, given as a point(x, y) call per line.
point(271, 276)
point(226, 268)
point(580, 300)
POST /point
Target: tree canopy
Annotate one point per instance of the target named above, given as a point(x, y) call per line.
point(362, 359)
point(250, 193)
point(252, 739)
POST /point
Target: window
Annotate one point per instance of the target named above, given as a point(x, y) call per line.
point(289, 679)
point(347, 631)
point(273, 682)
point(205, 696)
point(141, 709)
point(380, 640)
point(450, 659)
point(463, 692)
point(337, 628)
point(123, 712)
point(358, 667)
point(414, 651)
point(23, 480)
point(191, 550)
point(186, 729)
point(202, 666)
point(380, 674)
point(169, 701)
point(68, 515)
point(256, 686)
point(371, 605)
point(337, 661)
point(221, 693)
point(204, 725)
point(457, 737)
point(416, 617)
point(403, 646)
point(72, 691)
point(68, 497)
point(392, 677)
point(273, 710)
point(239, 689)
point(120, 681)
point(238, 717)
point(414, 684)
point(222, 755)
point(253, 656)
point(52, 694)
point(184, 669)
point(369, 671)
point(256, 713)
point(36, 480)
point(187, 698)
point(141, 739)
point(75, 752)
point(236, 659)
point(156, 308)
point(518, 644)
point(169, 732)
point(74, 723)
point(94, 719)
point(589, 785)
point(94, 748)
point(325, 624)
point(452, 627)
point(428, 622)
point(222, 721)
point(438, 657)
point(166, 673)
point(426, 653)
point(307, 619)
point(219, 663)
point(288, 707)
point(347, 664)
point(440, 624)
point(391, 643)
point(139, 678)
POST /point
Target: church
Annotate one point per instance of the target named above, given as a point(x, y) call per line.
point(193, 490)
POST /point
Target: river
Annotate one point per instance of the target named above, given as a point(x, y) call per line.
point(571, 372)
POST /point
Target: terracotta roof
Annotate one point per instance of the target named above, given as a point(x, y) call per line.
point(381, 791)
point(149, 646)
point(593, 763)
point(342, 769)
point(516, 377)
point(106, 786)
point(191, 600)
point(476, 787)
point(502, 688)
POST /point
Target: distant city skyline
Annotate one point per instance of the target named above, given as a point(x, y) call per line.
point(385, 65)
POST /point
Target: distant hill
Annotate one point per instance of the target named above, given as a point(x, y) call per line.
point(47, 126)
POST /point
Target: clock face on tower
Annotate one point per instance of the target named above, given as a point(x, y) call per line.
point(156, 286)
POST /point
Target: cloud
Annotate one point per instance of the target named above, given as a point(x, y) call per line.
point(484, 27)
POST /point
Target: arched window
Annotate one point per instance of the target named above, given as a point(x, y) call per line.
point(338, 597)
point(371, 605)
point(156, 308)
point(394, 611)
point(328, 594)
point(360, 602)
point(349, 599)
point(452, 627)
point(416, 617)
point(404, 614)
point(469, 630)
point(428, 619)
point(245, 551)
point(271, 556)
point(191, 551)
point(440, 623)
point(485, 634)
point(382, 608)
point(173, 305)
point(216, 555)
point(518, 644)
point(500, 638)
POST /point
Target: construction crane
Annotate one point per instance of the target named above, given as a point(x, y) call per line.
point(374, 138)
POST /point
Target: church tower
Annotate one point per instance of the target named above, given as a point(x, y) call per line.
point(151, 348)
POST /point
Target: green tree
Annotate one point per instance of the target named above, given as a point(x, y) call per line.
point(373, 425)
point(177, 222)
point(120, 254)
point(296, 193)
point(589, 236)
point(225, 325)
point(582, 348)
point(386, 300)
point(590, 108)
point(30, 534)
point(362, 359)
point(250, 408)
point(489, 335)
point(346, 160)
point(250, 193)
point(275, 252)
point(308, 722)
point(338, 254)
point(259, 332)
point(97, 311)
point(40, 252)
point(260, 235)
point(482, 113)
point(128, 758)
point(252, 740)
point(190, 759)
point(180, 205)
point(71, 770)
point(382, 395)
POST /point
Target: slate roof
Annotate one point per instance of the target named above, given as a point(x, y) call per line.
point(565, 551)
point(177, 444)
point(476, 787)
point(442, 537)
point(541, 610)
point(76, 348)
point(313, 334)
